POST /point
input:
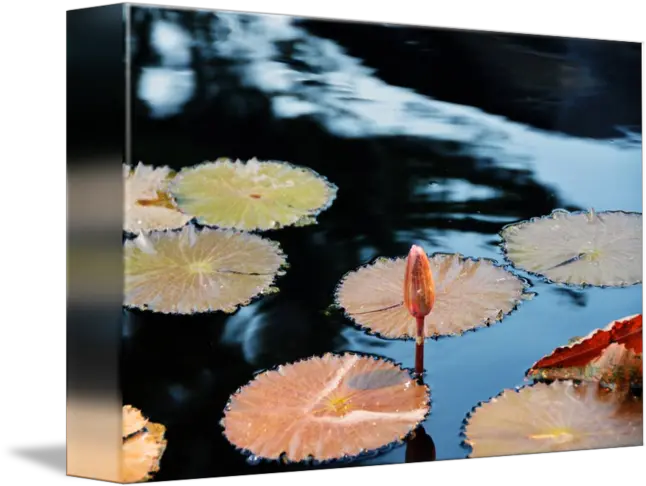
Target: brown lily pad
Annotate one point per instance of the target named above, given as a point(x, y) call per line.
point(612, 354)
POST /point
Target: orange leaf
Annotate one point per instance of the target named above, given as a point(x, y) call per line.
point(626, 331)
point(629, 333)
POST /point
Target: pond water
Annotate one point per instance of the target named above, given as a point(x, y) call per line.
point(433, 137)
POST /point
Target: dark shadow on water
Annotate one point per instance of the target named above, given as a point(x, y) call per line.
point(576, 297)
point(420, 447)
point(54, 457)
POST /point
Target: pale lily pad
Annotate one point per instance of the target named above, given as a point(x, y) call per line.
point(580, 248)
point(328, 407)
point(190, 270)
point(550, 418)
point(132, 420)
point(148, 205)
point(143, 446)
point(253, 195)
point(469, 293)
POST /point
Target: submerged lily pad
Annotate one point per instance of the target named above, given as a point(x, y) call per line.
point(329, 407)
point(581, 248)
point(189, 271)
point(143, 446)
point(148, 205)
point(469, 293)
point(549, 418)
point(252, 195)
point(611, 355)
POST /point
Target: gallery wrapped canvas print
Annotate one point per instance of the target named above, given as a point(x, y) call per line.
point(300, 244)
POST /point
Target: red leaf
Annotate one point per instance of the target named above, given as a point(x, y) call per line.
point(627, 331)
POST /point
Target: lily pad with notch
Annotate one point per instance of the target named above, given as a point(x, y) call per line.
point(325, 408)
point(470, 293)
point(585, 248)
point(191, 271)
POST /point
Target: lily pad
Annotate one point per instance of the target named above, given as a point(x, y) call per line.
point(549, 418)
point(253, 195)
point(579, 248)
point(328, 407)
point(143, 446)
point(148, 205)
point(611, 355)
point(190, 270)
point(132, 421)
point(469, 293)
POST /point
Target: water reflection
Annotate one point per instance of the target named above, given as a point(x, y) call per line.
point(166, 90)
point(420, 446)
point(270, 333)
point(576, 297)
point(302, 74)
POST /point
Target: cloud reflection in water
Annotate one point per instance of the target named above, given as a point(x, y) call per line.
point(306, 75)
point(166, 90)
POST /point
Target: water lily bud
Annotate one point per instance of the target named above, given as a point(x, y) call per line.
point(419, 289)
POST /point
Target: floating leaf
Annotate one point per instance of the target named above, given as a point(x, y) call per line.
point(143, 446)
point(616, 365)
point(148, 206)
point(626, 331)
point(329, 407)
point(189, 271)
point(469, 293)
point(550, 418)
point(252, 195)
point(605, 354)
point(132, 421)
point(581, 248)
